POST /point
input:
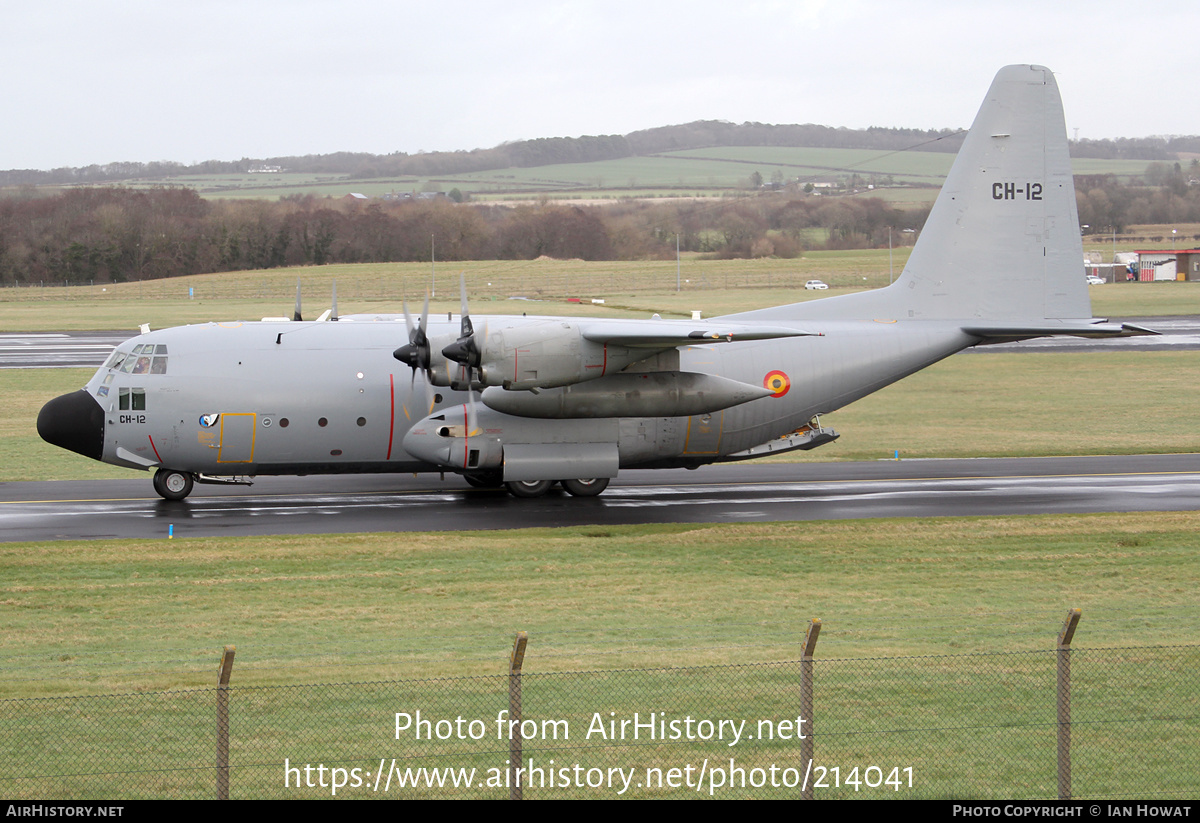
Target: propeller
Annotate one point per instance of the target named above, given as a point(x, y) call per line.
point(296, 316)
point(416, 354)
point(466, 352)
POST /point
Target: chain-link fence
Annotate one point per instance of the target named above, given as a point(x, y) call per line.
point(971, 726)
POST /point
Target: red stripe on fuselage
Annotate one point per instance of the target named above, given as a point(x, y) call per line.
point(392, 421)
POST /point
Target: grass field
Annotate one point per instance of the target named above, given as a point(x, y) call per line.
point(692, 172)
point(544, 286)
point(907, 608)
point(150, 615)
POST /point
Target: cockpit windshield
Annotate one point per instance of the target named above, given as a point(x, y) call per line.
point(144, 358)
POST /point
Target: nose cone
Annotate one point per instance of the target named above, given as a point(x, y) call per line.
point(74, 421)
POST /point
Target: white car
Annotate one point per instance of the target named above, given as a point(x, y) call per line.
point(815, 284)
point(1093, 280)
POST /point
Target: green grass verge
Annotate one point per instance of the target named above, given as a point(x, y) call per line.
point(628, 289)
point(907, 607)
point(99, 616)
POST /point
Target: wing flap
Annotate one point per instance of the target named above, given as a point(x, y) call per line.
point(661, 334)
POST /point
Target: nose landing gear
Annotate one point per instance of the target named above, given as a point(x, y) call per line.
point(173, 485)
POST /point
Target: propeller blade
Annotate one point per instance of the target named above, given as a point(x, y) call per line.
point(467, 330)
point(296, 315)
point(415, 354)
point(334, 315)
point(464, 350)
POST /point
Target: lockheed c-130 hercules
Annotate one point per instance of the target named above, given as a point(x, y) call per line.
point(574, 400)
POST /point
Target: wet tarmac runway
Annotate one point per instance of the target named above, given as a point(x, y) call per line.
point(745, 493)
point(58, 350)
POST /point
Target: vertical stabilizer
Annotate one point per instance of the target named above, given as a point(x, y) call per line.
point(1002, 241)
point(1001, 246)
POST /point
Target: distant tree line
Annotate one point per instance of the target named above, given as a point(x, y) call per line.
point(547, 151)
point(1169, 193)
point(113, 234)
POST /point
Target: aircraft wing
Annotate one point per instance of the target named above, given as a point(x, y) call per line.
point(661, 334)
point(1009, 332)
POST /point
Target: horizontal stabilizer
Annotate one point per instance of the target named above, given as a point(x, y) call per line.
point(1008, 332)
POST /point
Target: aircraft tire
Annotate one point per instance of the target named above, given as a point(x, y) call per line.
point(172, 485)
point(484, 481)
point(586, 487)
point(528, 488)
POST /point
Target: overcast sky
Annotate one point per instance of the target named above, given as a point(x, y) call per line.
point(86, 82)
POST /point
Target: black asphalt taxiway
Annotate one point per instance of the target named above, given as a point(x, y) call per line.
point(741, 493)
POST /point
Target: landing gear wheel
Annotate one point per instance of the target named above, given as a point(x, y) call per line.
point(172, 485)
point(587, 487)
point(528, 488)
point(484, 481)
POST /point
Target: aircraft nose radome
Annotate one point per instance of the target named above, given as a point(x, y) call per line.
point(74, 421)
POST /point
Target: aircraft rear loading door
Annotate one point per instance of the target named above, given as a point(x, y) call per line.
point(237, 438)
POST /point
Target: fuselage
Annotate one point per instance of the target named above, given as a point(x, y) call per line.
point(243, 399)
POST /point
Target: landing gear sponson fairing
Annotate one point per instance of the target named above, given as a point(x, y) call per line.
point(575, 400)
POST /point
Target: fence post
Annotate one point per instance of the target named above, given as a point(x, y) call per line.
point(1064, 703)
point(514, 714)
point(223, 723)
point(806, 703)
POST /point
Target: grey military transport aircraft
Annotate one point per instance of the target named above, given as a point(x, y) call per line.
point(573, 400)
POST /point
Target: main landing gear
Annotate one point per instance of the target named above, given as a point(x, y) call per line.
point(587, 487)
point(173, 485)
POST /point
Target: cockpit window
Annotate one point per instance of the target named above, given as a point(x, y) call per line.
point(144, 358)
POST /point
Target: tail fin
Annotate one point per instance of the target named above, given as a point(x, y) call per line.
point(1000, 251)
point(1002, 241)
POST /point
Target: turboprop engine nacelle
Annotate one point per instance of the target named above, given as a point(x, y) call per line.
point(543, 354)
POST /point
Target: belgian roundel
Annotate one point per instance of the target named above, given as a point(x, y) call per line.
point(778, 383)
